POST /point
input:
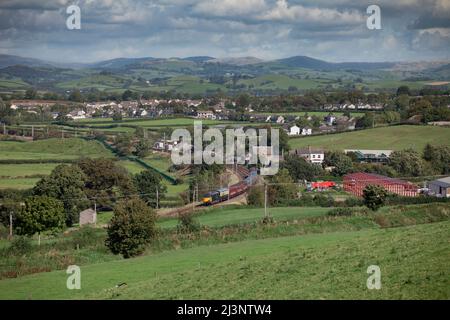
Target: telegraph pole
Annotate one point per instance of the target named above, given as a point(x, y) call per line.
point(10, 225)
point(157, 198)
point(265, 200)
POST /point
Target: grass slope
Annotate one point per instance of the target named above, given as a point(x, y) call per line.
point(72, 148)
point(392, 138)
point(413, 261)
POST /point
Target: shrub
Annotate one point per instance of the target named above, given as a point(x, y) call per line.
point(339, 212)
point(374, 197)
point(84, 237)
point(20, 245)
point(132, 227)
point(187, 223)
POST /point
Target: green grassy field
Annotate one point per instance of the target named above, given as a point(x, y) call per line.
point(26, 170)
point(225, 216)
point(313, 113)
point(391, 138)
point(18, 183)
point(413, 262)
point(72, 148)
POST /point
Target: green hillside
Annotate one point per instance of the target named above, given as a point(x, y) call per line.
point(319, 266)
point(390, 138)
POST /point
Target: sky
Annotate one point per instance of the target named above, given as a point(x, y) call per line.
point(332, 30)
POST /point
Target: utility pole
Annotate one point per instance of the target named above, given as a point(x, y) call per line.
point(157, 198)
point(265, 200)
point(4, 129)
point(10, 225)
point(32, 132)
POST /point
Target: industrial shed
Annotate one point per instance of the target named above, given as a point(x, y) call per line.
point(355, 183)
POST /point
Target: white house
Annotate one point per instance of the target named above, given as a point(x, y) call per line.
point(330, 119)
point(292, 130)
point(206, 115)
point(306, 131)
point(312, 155)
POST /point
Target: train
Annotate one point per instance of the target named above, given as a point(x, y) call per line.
point(224, 194)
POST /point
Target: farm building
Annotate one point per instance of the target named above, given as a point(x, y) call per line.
point(355, 183)
point(440, 187)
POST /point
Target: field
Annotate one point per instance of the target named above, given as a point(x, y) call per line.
point(72, 148)
point(317, 266)
point(156, 123)
point(314, 113)
point(26, 170)
point(18, 183)
point(390, 138)
point(225, 216)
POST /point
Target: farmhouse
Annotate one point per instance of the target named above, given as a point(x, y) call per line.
point(355, 183)
point(312, 155)
point(440, 187)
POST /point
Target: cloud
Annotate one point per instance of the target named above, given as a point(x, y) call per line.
point(328, 29)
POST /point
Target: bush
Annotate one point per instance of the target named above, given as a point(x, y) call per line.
point(187, 223)
point(20, 245)
point(374, 197)
point(132, 227)
point(255, 196)
point(84, 237)
point(339, 212)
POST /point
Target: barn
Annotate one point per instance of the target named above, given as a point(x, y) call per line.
point(355, 183)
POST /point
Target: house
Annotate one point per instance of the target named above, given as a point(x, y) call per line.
point(344, 123)
point(312, 155)
point(370, 156)
point(208, 114)
point(88, 216)
point(306, 131)
point(292, 130)
point(329, 119)
point(275, 119)
point(165, 145)
point(440, 187)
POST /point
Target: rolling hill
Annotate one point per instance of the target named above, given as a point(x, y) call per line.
point(156, 74)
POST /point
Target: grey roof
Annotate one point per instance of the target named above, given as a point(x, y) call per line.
point(444, 182)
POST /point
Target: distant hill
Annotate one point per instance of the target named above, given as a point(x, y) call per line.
point(316, 64)
point(119, 63)
point(239, 61)
point(9, 60)
point(199, 59)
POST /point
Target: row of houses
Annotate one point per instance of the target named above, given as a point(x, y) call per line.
point(351, 106)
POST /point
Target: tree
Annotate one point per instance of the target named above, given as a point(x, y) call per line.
point(366, 121)
point(438, 157)
point(142, 148)
point(374, 197)
point(148, 183)
point(124, 144)
point(282, 187)
point(117, 116)
point(105, 180)
point(40, 214)
point(30, 94)
point(403, 90)
point(76, 96)
point(341, 162)
point(132, 227)
point(300, 169)
point(255, 196)
point(65, 183)
point(407, 163)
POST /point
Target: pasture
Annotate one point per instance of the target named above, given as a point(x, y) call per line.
point(54, 149)
point(388, 138)
point(314, 266)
